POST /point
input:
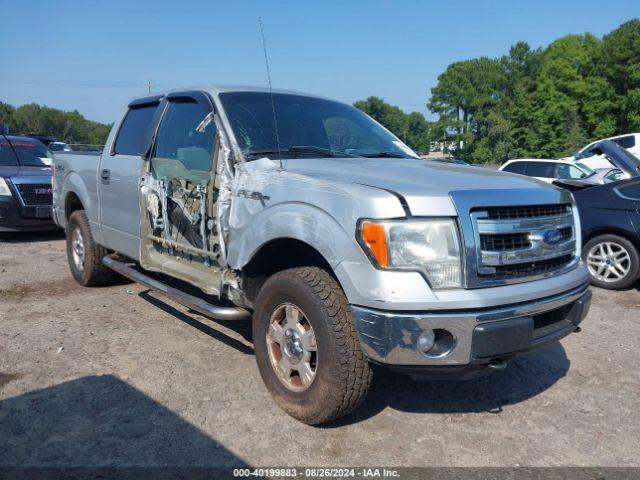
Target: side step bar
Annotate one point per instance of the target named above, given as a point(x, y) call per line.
point(189, 301)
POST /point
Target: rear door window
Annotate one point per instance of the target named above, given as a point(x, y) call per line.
point(134, 130)
point(180, 139)
point(516, 167)
point(541, 169)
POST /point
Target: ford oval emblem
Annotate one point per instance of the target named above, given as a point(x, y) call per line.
point(551, 236)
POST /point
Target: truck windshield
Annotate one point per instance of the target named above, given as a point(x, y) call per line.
point(23, 151)
point(306, 126)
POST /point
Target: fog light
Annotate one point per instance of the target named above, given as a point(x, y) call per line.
point(426, 341)
point(436, 343)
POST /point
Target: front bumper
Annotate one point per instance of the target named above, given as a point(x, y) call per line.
point(478, 341)
point(15, 218)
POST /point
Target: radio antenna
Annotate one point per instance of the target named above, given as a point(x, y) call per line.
point(273, 105)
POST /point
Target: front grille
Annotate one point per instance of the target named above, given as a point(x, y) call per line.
point(518, 242)
point(35, 193)
point(531, 211)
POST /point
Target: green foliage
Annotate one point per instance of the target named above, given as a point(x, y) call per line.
point(412, 128)
point(529, 103)
point(69, 127)
point(541, 103)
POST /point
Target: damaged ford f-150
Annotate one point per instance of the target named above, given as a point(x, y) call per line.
point(345, 249)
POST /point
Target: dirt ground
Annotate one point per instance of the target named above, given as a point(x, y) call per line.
point(119, 376)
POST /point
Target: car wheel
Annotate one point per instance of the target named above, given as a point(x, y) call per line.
point(306, 346)
point(85, 255)
point(613, 261)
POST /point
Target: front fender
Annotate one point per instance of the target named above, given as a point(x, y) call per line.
point(298, 221)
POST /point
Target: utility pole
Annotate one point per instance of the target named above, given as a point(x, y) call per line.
point(149, 85)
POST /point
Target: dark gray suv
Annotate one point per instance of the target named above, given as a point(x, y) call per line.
point(25, 185)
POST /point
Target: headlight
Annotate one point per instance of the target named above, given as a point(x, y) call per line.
point(4, 188)
point(431, 246)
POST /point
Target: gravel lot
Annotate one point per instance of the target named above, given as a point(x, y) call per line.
point(119, 376)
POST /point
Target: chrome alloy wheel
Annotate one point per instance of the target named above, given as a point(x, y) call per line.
point(292, 347)
point(608, 261)
point(77, 249)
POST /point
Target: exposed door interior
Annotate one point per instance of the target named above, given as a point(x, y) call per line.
point(178, 195)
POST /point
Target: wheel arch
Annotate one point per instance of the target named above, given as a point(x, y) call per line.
point(279, 254)
point(632, 237)
point(72, 203)
point(287, 252)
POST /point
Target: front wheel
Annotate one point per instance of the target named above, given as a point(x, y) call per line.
point(613, 261)
point(306, 346)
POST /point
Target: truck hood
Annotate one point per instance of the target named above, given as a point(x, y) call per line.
point(20, 171)
point(420, 182)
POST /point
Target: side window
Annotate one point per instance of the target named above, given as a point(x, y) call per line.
point(134, 129)
point(541, 169)
point(628, 141)
point(178, 137)
point(516, 167)
point(566, 171)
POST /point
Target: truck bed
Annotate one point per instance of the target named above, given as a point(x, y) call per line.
point(76, 172)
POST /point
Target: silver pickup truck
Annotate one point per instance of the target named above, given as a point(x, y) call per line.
point(343, 247)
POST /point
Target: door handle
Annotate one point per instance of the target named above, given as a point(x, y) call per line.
point(105, 176)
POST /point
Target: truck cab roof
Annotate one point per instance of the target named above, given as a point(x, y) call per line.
point(215, 90)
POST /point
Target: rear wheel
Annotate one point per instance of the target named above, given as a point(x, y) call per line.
point(307, 348)
point(84, 255)
point(613, 261)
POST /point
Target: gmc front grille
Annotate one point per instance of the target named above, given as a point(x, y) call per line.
point(35, 194)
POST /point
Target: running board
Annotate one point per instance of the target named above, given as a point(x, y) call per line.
point(189, 301)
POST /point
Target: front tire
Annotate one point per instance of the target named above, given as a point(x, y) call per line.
point(306, 346)
point(85, 255)
point(613, 261)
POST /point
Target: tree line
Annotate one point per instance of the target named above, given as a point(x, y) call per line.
point(544, 102)
point(69, 127)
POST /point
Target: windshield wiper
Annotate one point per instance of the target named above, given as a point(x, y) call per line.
point(325, 152)
point(383, 154)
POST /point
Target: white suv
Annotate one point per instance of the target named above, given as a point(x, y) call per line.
point(631, 142)
point(548, 170)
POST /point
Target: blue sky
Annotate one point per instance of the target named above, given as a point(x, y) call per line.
point(93, 56)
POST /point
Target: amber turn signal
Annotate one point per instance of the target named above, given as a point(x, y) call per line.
point(374, 236)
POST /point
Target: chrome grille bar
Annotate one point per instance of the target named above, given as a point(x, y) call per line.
point(525, 255)
point(523, 224)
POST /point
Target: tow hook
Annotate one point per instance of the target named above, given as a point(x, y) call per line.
point(497, 365)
